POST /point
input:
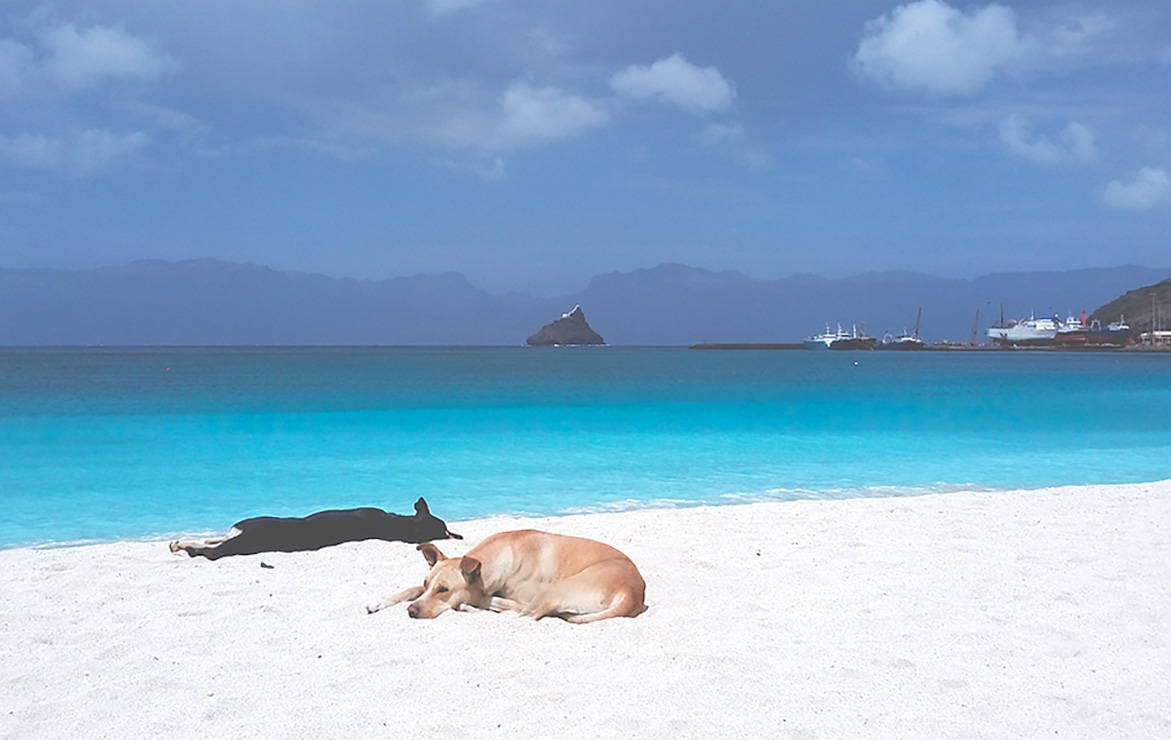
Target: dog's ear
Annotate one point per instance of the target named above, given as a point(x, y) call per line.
point(431, 553)
point(470, 567)
point(421, 507)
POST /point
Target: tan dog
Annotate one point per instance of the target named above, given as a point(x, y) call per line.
point(535, 573)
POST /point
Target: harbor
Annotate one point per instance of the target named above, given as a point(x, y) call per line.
point(1047, 334)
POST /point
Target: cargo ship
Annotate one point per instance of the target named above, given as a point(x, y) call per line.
point(907, 340)
point(1024, 332)
point(841, 339)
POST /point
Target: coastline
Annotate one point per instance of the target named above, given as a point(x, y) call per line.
point(1002, 613)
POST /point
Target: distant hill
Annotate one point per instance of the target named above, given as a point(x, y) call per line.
point(1138, 306)
point(215, 302)
point(676, 304)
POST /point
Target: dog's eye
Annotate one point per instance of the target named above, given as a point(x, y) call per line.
point(441, 590)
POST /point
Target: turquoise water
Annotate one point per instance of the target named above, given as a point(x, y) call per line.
point(99, 444)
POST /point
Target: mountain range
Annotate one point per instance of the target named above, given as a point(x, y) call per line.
point(197, 302)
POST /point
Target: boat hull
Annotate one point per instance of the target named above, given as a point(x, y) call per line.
point(840, 344)
point(1023, 334)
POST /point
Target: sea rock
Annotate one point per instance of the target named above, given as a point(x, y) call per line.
point(571, 328)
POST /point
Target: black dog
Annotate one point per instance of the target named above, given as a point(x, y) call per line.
point(325, 528)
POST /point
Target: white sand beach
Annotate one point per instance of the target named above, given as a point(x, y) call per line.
point(1001, 614)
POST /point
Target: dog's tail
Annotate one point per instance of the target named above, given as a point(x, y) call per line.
point(623, 605)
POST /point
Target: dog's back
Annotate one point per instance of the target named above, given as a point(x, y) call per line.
point(323, 529)
point(553, 554)
point(580, 579)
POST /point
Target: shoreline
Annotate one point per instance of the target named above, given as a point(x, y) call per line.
point(992, 614)
point(626, 506)
point(948, 347)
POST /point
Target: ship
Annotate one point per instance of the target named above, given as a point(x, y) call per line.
point(841, 339)
point(906, 340)
point(1115, 333)
point(1018, 332)
point(1073, 332)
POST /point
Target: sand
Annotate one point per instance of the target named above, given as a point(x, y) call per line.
point(1001, 614)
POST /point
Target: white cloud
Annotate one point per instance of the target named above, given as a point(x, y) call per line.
point(88, 152)
point(1077, 35)
point(97, 148)
point(677, 81)
point(1150, 188)
point(78, 60)
point(715, 134)
point(1073, 145)
point(492, 168)
point(28, 150)
point(532, 116)
point(730, 139)
point(930, 46)
point(16, 64)
point(547, 42)
point(445, 7)
point(167, 118)
point(461, 115)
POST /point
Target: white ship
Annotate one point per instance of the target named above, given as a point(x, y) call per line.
point(906, 340)
point(1024, 331)
point(840, 339)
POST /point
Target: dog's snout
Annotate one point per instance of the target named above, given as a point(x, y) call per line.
point(413, 611)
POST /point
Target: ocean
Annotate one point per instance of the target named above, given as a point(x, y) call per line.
point(100, 444)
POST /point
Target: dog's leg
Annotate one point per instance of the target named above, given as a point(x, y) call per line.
point(211, 553)
point(544, 605)
point(187, 545)
point(501, 604)
point(193, 548)
point(178, 545)
point(408, 594)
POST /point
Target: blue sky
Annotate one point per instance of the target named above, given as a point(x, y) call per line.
point(531, 145)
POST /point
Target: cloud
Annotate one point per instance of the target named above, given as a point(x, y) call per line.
point(715, 134)
point(80, 60)
point(97, 148)
point(16, 64)
point(730, 138)
point(461, 115)
point(533, 116)
point(1073, 145)
point(675, 80)
point(167, 118)
point(932, 47)
point(546, 41)
point(1077, 35)
point(1150, 188)
point(28, 150)
point(492, 168)
point(436, 8)
point(84, 154)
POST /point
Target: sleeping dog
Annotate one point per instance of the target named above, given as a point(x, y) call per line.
point(535, 573)
point(313, 532)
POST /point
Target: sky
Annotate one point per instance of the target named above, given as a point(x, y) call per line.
point(532, 145)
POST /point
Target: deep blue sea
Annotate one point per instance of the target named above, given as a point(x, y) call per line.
point(104, 443)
